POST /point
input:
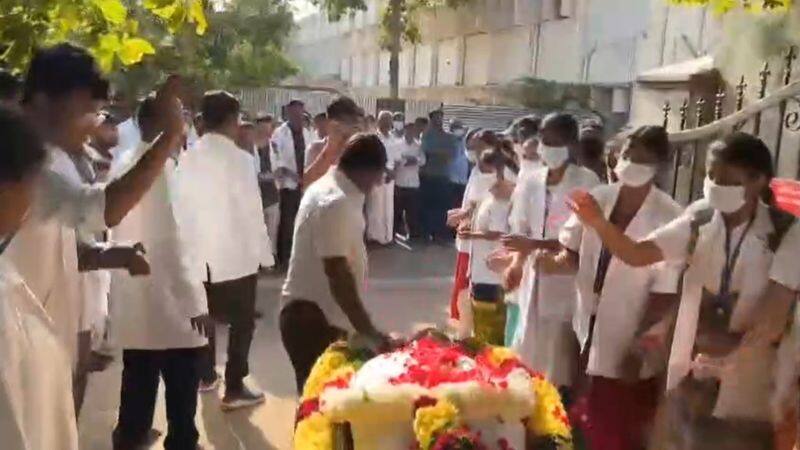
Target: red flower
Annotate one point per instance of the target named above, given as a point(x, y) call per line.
point(340, 383)
point(307, 408)
point(458, 439)
point(503, 444)
point(424, 401)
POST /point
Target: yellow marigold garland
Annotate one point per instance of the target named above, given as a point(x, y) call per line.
point(548, 417)
point(429, 421)
point(499, 355)
point(314, 433)
point(329, 366)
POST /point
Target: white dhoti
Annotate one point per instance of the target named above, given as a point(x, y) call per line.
point(380, 214)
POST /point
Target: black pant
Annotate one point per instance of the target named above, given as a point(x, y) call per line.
point(234, 303)
point(140, 378)
point(436, 201)
point(289, 203)
point(406, 211)
point(306, 333)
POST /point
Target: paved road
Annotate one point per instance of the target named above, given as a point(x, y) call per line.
point(407, 291)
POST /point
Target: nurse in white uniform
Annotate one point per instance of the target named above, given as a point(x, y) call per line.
point(720, 389)
point(620, 305)
point(544, 337)
point(36, 404)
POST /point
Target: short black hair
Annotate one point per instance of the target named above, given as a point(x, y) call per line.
point(218, 107)
point(364, 151)
point(22, 152)
point(343, 108)
point(527, 127)
point(10, 86)
point(321, 116)
point(62, 69)
point(435, 112)
point(564, 123)
point(423, 121)
point(654, 139)
point(264, 118)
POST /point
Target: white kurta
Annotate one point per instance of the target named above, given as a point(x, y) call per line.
point(36, 404)
point(153, 312)
point(544, 337)
point(620, 307)
point(746, 384)
point(219, 186)
point(283, 155)
point(380, 201)
point(44, 251)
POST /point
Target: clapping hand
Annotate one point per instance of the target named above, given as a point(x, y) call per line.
point(585, 208)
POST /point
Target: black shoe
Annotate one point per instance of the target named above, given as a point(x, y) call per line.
point(147, 441)
point(242, 397)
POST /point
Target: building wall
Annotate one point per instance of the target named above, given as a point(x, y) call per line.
point(495, 42)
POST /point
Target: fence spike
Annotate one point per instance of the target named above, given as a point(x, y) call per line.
point(698, 113)
point(684, 113)
point(788, 60)
point(718, 99)
point(763, 77)
point(666, 109)
point(740, 89)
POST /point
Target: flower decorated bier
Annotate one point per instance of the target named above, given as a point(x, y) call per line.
point(431, 393)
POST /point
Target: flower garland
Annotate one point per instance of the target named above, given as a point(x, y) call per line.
point(436, 421)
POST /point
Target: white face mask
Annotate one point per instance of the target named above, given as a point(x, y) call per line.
point(553, 157)
point(399, 125)
point(460, 132)
point(472, 157)
point(725, 199)
point(634, 174)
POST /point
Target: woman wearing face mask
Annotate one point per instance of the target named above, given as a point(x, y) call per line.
point(619, 306)
point(544, 336)
point(719, 389)
point(476, 191)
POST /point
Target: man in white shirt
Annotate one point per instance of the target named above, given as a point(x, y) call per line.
point(160, 320)
point(36, 404)
point(289, 144)
point(228, 228)
point(265, 126)
point(380, 202)
point(63, 92)
point(323, 292)
point(406, 178)
point(345, 118)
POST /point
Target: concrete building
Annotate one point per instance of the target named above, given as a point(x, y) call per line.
point(471, 55)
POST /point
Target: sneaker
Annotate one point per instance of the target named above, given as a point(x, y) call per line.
point(242, 398)
point(210, 386)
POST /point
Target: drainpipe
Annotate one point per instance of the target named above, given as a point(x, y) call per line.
point(587, 62)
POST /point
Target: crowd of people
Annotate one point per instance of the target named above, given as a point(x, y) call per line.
point(138, 229)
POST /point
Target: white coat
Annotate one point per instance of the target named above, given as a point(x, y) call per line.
point(546, 302)
point(283, 155)
point(36, 405)
point(153, 312)
point(746, 384)
point(219, 185)
point(621, 305)
point(43, 251)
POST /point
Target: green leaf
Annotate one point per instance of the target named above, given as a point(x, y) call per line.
point(133, 50)
point(105, 50)
point(164, 9)
point(113, 10)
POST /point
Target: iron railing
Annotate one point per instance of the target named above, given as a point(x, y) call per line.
point(769, 116)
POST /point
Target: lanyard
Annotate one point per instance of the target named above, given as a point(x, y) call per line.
point(730, 260)
point(4, 244)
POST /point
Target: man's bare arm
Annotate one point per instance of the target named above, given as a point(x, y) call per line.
point(319, 167)
point(345, 292)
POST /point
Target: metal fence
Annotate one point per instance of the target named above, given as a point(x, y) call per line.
point(774, 116)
